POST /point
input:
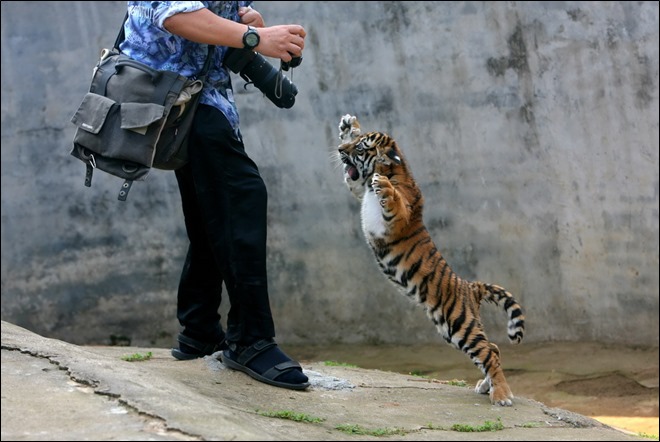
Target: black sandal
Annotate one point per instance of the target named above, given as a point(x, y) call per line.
point(201, 348)
point(238, 359)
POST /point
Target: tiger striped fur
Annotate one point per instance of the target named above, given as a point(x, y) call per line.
point(377, 174)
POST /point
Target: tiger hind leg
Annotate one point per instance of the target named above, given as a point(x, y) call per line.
point(483, 386)
point(486, 356)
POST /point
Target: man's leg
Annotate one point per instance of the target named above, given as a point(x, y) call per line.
point(232, 200)
point(233, 203)
point(200, 285)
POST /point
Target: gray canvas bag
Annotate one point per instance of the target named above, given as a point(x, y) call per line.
point(135, 118)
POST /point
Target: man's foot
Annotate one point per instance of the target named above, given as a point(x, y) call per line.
point(190, 348)
point(265, 362)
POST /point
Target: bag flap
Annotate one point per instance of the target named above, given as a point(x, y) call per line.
point(138, 116)
point(92, 112)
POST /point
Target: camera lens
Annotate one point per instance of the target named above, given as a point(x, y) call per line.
point(255, 69)
point(277, 87)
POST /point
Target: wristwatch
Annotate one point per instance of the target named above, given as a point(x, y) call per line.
point(250, 38)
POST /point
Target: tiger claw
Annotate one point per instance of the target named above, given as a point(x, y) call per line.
point(504, 403)
point(349, 128)
point(375, 183)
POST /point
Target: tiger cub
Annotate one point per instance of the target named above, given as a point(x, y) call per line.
point(377, 174)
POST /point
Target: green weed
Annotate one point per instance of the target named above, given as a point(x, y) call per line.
point(487, 426)
point(338, 364)
point(361, 431)
point(137, 357)
point(292, 415)
point(457, 383)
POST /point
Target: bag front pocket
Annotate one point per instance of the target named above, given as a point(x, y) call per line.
point(127, 131)
point(92, 112)
point(139, 116)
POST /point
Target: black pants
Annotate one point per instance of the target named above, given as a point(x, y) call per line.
point(224, 203)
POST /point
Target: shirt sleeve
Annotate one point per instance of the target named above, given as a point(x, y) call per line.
point(160, 11)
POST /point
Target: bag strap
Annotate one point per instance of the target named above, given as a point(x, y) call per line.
point(207, 64)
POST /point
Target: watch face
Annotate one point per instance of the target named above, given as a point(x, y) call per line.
point(251, 39)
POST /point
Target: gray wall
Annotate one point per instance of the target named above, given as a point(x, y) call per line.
point(531, 127)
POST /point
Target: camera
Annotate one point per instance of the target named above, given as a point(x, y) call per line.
point(255, 69)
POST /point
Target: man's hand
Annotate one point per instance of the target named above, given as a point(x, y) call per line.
point(251, 17)
point(283, 41)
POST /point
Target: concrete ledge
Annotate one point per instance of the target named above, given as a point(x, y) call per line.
point(55, 390)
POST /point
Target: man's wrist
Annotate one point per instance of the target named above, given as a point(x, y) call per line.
point(251, 38)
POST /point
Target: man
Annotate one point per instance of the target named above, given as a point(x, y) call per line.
point(223, 195)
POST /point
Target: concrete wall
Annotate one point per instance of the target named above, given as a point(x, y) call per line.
point(531, 127)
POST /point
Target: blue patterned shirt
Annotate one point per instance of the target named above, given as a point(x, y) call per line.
point(146, 40)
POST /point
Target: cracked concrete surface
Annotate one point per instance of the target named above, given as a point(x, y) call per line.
point(52, 390)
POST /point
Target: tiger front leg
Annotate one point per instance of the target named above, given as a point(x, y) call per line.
point(349, 128)
point(391, 202)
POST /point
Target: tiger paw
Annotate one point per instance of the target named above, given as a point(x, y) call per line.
point(349, 128)
point(483, 386)
point(501, 395)
point(382, 188)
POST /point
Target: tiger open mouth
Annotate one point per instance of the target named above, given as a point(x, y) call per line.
point(351, 170)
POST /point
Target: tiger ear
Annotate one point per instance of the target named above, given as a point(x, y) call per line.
point(392, 155)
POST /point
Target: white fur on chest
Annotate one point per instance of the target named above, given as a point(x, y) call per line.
point(373, 224)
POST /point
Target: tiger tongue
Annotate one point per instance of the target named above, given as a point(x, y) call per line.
point(352, 172)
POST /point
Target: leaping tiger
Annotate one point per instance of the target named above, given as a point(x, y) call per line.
point(378, 175)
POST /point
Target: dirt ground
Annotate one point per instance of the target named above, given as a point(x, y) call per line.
point(616, 385)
